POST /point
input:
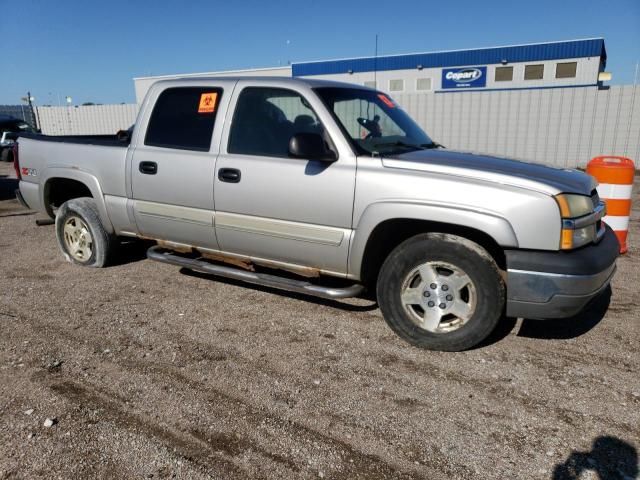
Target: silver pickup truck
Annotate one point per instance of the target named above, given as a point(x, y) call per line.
point(327, 189)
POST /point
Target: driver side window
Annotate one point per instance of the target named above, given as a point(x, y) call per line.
point(266, 118)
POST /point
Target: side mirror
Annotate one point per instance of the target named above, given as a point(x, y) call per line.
point(310, 146)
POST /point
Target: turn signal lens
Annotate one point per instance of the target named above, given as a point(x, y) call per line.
point(566, 242)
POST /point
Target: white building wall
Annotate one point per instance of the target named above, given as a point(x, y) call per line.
point(586, 74)
point(142, 84)
point(86, 120)
point(565, 127)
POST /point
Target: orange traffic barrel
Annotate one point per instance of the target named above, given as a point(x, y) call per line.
point(615, 178)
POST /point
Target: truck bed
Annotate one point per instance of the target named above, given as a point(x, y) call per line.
point(84, 158)
point(103, 140)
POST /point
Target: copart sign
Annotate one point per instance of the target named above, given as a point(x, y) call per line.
point(464, 77)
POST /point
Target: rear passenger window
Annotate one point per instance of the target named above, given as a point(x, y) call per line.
point(267, 118)
point(183, 118)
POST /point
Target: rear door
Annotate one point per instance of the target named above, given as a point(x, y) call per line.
point(172, 165)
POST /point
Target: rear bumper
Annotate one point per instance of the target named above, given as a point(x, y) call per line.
point(20, 199)
point(559, 284)
point(28, 195)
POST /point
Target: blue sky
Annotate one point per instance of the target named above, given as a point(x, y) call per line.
point(92, 50)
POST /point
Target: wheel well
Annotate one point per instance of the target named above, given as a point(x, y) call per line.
point(391, 233)
point(59, 190)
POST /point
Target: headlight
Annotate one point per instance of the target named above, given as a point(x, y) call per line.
point(571, 207)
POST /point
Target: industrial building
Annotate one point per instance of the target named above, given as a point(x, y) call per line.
point(573, 63)
point(543, 102)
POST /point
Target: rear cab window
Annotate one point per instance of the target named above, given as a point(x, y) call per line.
point(183, 118)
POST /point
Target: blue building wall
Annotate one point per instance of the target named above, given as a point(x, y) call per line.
point(486, 56)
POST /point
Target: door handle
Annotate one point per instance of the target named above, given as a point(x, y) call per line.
point(148, 168)
point(229, 175)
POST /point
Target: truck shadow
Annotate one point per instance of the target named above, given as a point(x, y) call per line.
point(610, 458)
point(8, 188)
point(503, 329)
point(559, 329)
point(131, 250)
point(565, 328)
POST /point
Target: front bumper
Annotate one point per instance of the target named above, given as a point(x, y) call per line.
point(559, 284)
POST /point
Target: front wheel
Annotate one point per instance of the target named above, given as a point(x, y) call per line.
point(81, 235)
point(441, 292)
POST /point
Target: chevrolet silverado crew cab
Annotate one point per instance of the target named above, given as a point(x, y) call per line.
point(289, 182)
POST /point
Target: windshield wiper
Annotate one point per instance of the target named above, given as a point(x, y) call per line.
point(432, 145)
point(398, 144)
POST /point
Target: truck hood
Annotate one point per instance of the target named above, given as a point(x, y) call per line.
point(531, 176)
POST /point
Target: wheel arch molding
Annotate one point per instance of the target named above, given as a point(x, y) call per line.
point(385, 225)
point(90, 182)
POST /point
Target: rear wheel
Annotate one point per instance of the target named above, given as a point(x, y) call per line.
point(441, 292)
point(81, 235)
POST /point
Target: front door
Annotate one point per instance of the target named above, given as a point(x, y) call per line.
point(272, 206)
point(172, 167)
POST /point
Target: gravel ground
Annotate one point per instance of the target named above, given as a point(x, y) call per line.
point(152, 372)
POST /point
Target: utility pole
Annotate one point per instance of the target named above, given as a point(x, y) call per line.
point(32, 112)
point(375, 65)
point(69, 100)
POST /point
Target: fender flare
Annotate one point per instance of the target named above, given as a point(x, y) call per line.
point(90, 181)
point(494, 225)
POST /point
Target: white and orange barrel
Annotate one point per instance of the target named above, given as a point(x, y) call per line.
point(615, 178)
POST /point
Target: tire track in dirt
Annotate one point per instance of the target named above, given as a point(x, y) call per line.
point(498, 392)
point(356, 464)
point(199, 451)
point(493, 390)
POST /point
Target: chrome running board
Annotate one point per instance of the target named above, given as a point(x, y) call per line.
point(160, 254)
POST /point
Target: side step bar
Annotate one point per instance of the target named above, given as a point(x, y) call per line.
point(160, 254)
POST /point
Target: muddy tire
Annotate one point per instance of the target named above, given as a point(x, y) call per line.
point(441, 292)
point(81, 235)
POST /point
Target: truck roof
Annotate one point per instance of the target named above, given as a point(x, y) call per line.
point(275, 80)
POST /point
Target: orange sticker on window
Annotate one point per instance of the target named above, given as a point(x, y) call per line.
point(207, 102)
point(387, 101)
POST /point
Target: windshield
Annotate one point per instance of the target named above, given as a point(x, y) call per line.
point(374, 123)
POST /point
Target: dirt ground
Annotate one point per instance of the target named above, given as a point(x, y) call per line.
point(152, 372)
